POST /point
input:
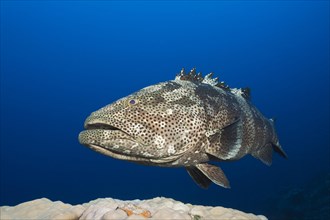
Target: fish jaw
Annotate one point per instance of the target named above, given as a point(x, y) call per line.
point(115, 142)
point(108, 139)
point(121, 148)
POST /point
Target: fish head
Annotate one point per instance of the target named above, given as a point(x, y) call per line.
point(154, 126)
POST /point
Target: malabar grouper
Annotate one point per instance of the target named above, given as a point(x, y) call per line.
point(186, 122)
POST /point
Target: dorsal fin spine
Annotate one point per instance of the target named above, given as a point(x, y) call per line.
point(208, 79)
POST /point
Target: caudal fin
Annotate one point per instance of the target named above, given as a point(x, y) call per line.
point(278, 149)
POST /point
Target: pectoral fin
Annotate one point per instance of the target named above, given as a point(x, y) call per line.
point(226, 143)
point(204, 173)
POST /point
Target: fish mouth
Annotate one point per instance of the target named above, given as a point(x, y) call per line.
point(95, 122)
point(101, 126)
point(111, 142)
point(109, 137)
point(103, 137)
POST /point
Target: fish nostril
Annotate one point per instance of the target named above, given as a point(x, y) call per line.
point(100, 126)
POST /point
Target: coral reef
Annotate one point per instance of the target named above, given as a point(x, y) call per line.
point(108, 208)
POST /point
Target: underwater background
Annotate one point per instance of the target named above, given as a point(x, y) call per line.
point(61, 60)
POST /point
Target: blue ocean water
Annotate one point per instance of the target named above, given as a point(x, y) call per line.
point(61, 60)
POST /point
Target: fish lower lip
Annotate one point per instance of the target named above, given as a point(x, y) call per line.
point(113, 154)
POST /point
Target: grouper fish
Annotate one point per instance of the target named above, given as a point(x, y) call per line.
point(186, 122)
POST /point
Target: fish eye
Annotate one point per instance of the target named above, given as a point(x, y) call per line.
point(132, 102)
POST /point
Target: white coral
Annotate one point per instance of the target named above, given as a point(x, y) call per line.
point(106, 209)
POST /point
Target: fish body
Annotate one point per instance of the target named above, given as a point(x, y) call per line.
point(186, 122)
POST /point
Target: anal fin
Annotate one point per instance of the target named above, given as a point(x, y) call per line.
point(264, 154)
point(213, 173)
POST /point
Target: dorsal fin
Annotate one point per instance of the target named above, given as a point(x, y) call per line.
point(245, 92)
point(191, 76)
point(273, 120)
point(197, 77)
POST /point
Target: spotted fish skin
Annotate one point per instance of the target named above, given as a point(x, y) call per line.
point(185, 122)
